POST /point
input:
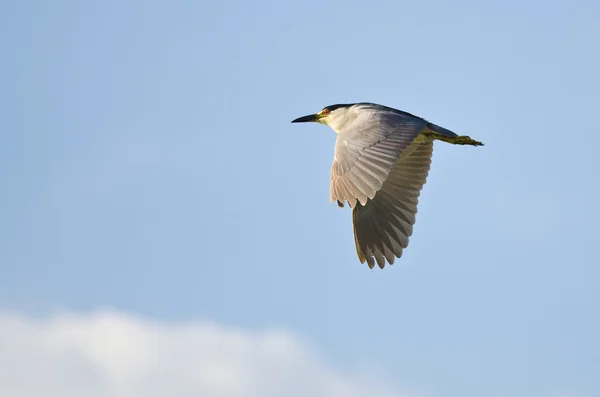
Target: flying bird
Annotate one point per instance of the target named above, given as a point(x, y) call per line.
point(381, 161)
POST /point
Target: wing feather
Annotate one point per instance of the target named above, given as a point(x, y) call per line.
point(383, 225)
point(366, 151)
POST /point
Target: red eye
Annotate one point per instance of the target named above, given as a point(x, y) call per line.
point(325, 111)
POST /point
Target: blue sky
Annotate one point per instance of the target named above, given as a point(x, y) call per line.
point(149, 168)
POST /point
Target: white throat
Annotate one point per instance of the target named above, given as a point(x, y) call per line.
point(340, 118)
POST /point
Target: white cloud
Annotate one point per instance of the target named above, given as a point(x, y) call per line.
point(112, 354)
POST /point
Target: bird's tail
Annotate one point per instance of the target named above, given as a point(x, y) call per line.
point(445, 135)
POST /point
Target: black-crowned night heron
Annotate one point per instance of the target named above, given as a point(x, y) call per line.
point(380, 164)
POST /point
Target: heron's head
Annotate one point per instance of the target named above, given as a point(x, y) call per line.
point(335, 116)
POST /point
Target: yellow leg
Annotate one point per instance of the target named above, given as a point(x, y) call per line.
point(455, 140)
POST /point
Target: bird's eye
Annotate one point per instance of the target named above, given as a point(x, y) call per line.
point(326, 111)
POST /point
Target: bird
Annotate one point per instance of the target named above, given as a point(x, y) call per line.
point(381, 161)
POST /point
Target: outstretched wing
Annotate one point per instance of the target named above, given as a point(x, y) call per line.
point(383, 225)
point(366, 151)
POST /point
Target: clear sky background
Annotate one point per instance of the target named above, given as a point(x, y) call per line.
point(165, 229)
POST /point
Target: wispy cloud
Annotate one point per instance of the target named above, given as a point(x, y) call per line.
point(114, 354)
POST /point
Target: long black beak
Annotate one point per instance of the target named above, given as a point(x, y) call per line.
point(306, 119)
